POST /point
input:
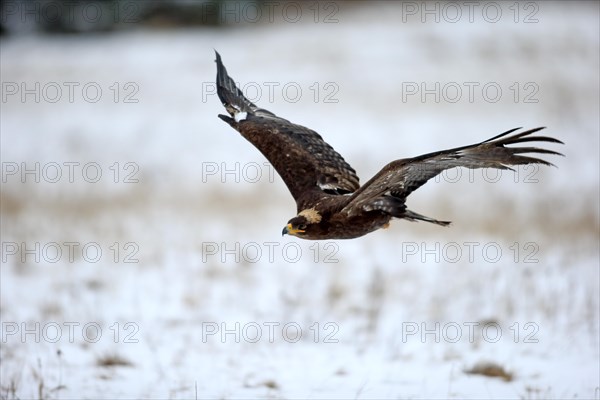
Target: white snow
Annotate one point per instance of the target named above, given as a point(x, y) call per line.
point(194, 286)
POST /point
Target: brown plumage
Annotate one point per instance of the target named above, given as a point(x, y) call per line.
point(330, 202)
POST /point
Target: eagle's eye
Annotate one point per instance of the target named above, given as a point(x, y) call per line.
point(302, 227)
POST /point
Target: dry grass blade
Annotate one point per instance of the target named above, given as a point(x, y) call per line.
point(113, 360)
point(490, 369)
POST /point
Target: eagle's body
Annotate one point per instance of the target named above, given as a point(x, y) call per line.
point(331, 204)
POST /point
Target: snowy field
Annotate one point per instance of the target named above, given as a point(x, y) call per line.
point(141, 246)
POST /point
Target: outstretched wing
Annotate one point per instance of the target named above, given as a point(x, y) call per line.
point(306, 163)
point(388, 189)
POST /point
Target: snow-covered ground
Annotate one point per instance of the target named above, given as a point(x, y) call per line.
point(141, 247)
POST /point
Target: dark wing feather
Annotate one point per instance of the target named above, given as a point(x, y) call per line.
point(231, 96)
point(306, 163)
point(398, 179)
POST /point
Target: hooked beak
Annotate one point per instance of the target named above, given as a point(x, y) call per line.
point(288, 230)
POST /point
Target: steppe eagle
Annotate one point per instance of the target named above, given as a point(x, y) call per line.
point(331, 204)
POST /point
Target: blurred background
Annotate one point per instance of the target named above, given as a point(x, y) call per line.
point(141, 247)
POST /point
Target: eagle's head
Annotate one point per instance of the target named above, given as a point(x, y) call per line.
point(296, 226)
point(302, 224)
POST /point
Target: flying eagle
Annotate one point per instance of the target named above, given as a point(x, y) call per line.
point(331, 204)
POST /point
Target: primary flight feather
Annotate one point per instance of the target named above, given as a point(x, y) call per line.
point(330, 202)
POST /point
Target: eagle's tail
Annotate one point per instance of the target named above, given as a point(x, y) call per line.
point(413, 216)
point(230, 95)
point(396, 207)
